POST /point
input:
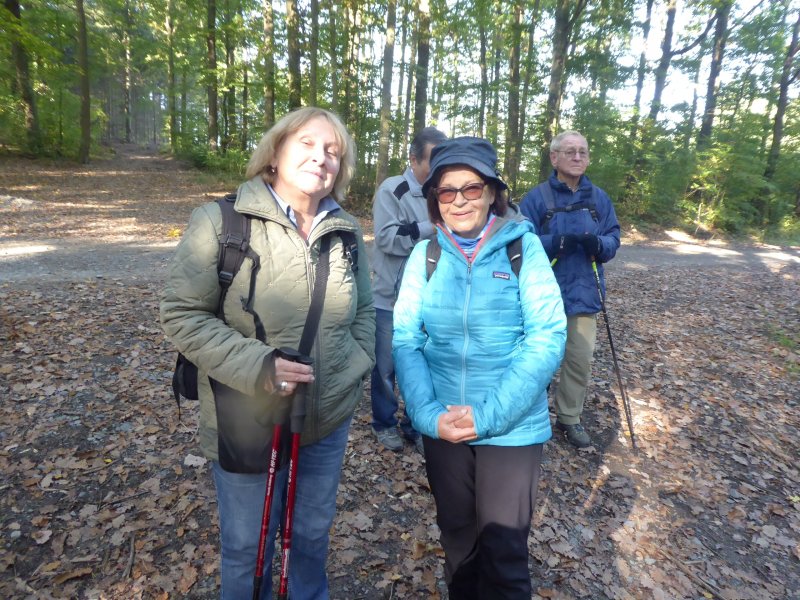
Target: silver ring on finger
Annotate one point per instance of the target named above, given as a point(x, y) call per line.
point(283, 386)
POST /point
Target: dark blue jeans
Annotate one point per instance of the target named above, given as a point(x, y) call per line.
point(384, 401)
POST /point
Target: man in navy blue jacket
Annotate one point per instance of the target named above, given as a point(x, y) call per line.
point(576, 223)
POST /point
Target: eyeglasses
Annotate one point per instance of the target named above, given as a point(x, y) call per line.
point(471, 191)
point(582, 154)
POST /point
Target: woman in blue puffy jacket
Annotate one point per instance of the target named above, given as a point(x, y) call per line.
point(475, 346)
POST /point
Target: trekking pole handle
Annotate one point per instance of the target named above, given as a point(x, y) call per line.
point(298, 413)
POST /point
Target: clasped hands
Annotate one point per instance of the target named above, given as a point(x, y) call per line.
point(457, 424)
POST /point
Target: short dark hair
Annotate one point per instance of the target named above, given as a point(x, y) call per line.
point(428, 135)
point(499, 207)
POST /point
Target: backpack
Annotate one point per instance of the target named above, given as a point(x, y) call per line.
point(433, 251)
point(550, 202)
point(234, 247)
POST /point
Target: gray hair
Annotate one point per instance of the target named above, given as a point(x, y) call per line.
point(428, 135)
point(555, 145)
point(270, 144)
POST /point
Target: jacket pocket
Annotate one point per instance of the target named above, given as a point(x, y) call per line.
point(244, 431)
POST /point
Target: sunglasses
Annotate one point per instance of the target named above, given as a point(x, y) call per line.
point(471, 191)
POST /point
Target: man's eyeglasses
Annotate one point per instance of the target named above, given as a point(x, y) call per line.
point(582, 154)
point(471, 191)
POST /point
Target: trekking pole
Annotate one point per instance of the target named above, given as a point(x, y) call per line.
point(265, 515)
point(297, 418)
point(625, 402)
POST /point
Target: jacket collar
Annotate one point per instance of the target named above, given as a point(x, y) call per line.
point(414, 186)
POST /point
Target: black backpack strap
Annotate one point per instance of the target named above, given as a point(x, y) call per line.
point(317, 297)
point(234, 247)
point(432, 253)
point(550, 203)
point(350, 248)
point(514, 251)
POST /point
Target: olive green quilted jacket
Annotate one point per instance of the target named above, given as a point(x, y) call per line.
point(229, 353)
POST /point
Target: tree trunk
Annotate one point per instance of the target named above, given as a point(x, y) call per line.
point(245, 100)
point(211, 75)
point(512, 126)
point(423, 54)
point(484, 66)
point(783, 95)
point(530, 68)
point(720, 38)
point(333, 52)
point(293, 42)
point(398, 151)
point(564, 23)
point(412, 70)
point(20, 55)
point(313, 54)
point(641, 71)
point(663, 63)
point(229, 109)
point(126, 83)
point(386, 95)
point(171, 92)
point(492, 122)
point(86, 99)
point(269, 66)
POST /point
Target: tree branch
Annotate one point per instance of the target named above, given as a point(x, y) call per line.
point(699, 39)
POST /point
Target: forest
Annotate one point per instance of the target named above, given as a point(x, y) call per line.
point(690, 107)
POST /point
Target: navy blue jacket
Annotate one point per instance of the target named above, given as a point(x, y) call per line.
point(574, 271)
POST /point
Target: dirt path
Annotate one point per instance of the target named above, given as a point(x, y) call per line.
point(103, 494)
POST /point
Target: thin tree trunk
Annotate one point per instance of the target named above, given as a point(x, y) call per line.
point(245, 100)
point(641, 72)
point(397, 152)
point(86, 99)
point(386, 95)
point(211, 75)
point(484, 77)
point(269, 65)
point(512, 127)
point(565, 21)
point(720, 38)
point(20, 55)
point(230, 77)
point(333, 52)
point(293, 42)
point(171, 92)
point(663, 63)
point(492, 123)
point(412, 70)
point(787, 78)
point(313, 53)
point(423, 55)
point(530, 68)
point(127, 82)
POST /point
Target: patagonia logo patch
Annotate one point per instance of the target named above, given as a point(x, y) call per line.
point(501, 275)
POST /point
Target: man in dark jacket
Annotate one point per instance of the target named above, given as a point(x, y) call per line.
point(577, 225)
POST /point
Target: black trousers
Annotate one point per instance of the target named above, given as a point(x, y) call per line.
point(485, 496)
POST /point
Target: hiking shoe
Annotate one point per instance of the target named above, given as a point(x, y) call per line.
point(576, 434)
point(390, 439)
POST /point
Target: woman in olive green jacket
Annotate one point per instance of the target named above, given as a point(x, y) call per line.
point(301, 167)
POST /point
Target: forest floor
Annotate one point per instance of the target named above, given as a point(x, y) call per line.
point(103, 494)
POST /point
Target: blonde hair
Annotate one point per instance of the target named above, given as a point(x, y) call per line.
point(267, 149)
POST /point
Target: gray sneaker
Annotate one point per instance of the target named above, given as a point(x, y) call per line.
point(390, 439)
point(576, 434)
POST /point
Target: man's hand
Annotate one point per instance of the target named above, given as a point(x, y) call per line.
point(411, 229)
point(591, 244)
point(566, 244)
point(457, 425)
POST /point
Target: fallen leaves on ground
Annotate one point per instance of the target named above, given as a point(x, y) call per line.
point(104, 494)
